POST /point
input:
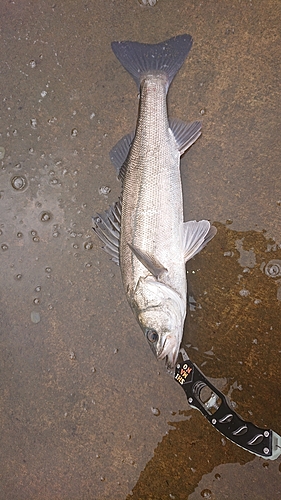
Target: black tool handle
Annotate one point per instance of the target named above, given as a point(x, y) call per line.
point(205, 397)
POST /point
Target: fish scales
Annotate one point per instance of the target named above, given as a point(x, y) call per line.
point(152, 205)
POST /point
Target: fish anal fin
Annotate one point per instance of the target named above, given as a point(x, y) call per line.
point(151, 263)
point(185, 134)
point(196, 235)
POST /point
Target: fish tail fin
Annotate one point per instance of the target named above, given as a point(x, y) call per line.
point(140, 59)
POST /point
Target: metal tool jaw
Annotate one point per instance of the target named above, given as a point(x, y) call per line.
point(206, 398)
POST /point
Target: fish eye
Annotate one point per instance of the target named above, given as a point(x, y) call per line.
point(152, 336)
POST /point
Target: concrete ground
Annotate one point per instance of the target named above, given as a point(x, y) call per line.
point(86, 411)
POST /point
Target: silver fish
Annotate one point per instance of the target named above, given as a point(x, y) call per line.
point(144, 231)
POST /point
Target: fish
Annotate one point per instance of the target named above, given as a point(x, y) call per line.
point(144, 231)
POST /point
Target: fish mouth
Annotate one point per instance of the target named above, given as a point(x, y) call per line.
point(160, 354)
point(158, 348)
point(168, 350)
point(165, 348)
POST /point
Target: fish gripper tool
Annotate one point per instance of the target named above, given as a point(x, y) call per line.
point(205, 397)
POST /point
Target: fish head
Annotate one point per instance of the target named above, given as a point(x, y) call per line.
point(161, 313)
point(163, 331)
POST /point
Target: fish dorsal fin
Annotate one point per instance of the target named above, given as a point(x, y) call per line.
point(185, 134)
point(151, 263)
point(196, 236)
point(119, 154)
point(107, 228)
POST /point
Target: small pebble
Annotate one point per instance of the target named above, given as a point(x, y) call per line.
point(105, 190)
point(155, 411)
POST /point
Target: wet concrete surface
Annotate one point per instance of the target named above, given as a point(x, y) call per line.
point(86, 411)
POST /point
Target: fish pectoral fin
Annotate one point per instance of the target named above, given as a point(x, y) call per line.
point(151, 263)
point(196, 236)
point(185, 134)
point(119, 153)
